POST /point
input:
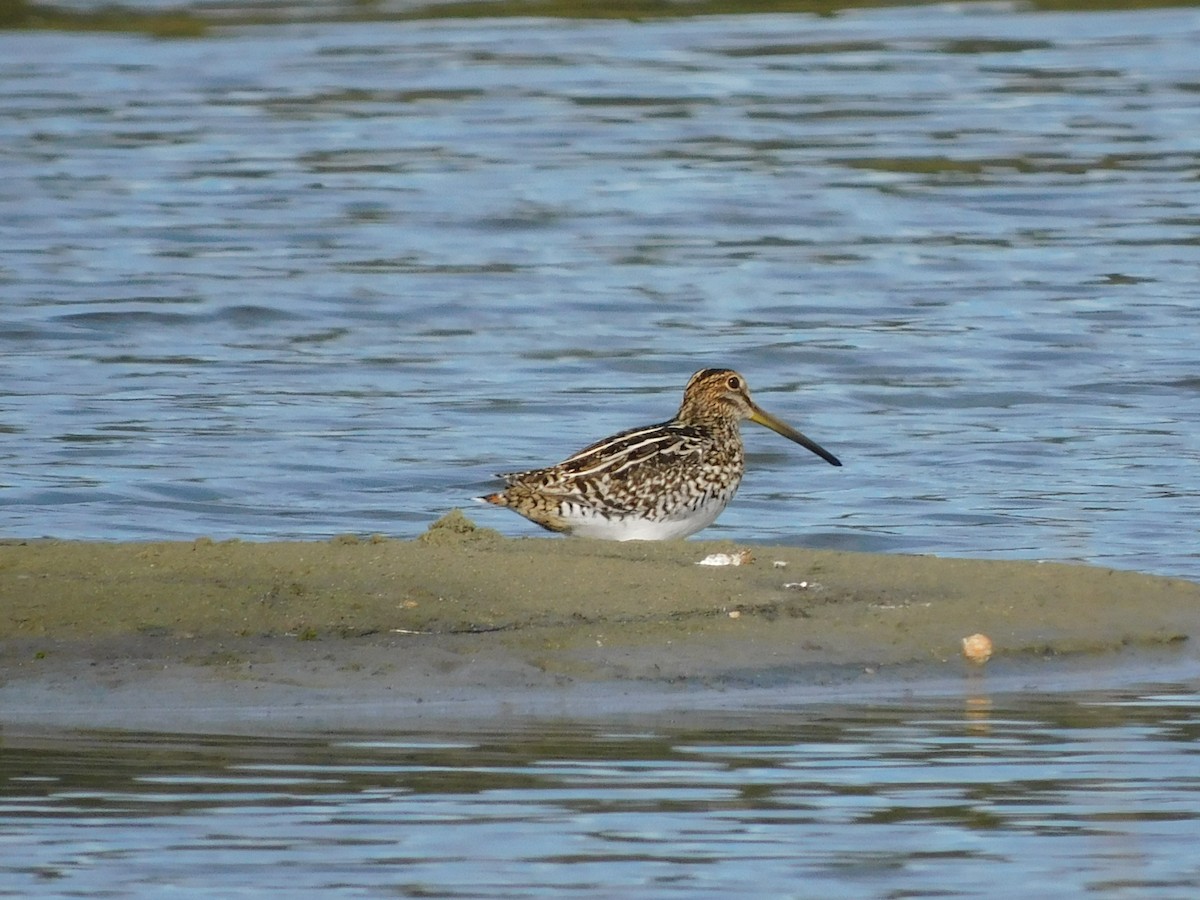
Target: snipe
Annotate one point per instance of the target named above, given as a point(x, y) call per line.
point(654, 483)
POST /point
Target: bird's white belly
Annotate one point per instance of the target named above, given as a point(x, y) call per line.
point(589, 524)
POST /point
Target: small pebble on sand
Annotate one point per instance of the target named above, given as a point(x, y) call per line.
point(977, 648)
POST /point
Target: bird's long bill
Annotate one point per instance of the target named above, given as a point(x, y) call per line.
point(769, 421)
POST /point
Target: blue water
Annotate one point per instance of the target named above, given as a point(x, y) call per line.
point(301, 280)
point(304, 280)
point(1025, 795)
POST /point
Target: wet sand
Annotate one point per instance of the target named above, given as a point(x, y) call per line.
point(464, 622)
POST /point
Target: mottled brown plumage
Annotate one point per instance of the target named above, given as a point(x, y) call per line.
point(654, 483)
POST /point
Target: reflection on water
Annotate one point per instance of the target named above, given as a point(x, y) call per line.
point(982, 797)
point(324, 278)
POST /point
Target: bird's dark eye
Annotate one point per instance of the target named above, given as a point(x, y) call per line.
point(734, 383)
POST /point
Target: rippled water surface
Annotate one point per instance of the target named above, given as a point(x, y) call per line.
point(301, 280)
point(1095, 794)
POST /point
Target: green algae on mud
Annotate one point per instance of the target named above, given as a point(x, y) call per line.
point(587, 608)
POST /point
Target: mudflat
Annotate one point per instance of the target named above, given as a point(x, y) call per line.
point(123, 634)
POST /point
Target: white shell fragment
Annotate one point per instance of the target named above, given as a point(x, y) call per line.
point(739, 558)
point(977, 648)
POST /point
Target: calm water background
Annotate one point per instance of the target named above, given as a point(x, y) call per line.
point(303, 280)
point(1028, 796)
point(295, 281)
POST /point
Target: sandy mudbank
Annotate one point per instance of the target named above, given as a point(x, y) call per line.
point(462, 609)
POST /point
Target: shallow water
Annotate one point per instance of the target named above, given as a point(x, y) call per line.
point(303, 280)
point(295, 281)
point(995, 796)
